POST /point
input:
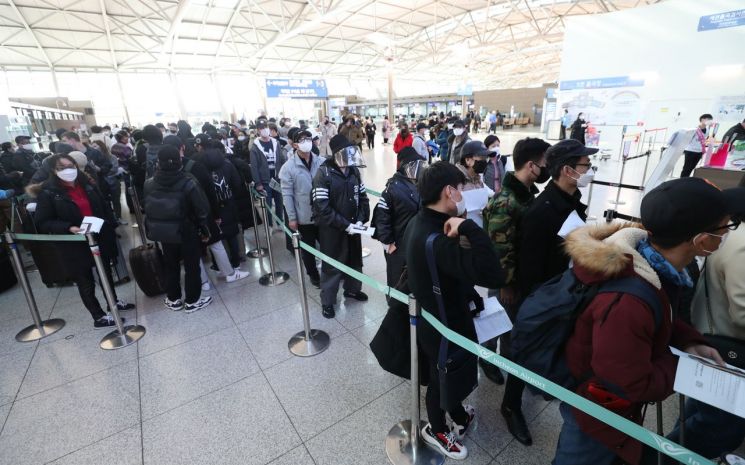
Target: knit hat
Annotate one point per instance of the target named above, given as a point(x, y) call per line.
point(339, 142)
point(80, 159)
point(407, 155)
point(169, 158)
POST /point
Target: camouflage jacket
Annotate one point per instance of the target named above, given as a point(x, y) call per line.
point(502, 217)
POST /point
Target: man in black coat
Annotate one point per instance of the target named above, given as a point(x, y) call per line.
point(541, 248)
point(464, 258)
point(399, 203)
point(339, 203)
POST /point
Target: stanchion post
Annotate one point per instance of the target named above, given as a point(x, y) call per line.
point(660, 431)
point(259, 251)
point(403, 444)
point(41, 328)
point(274, 278)
point(620, 181)
point(308, 342)
point(123, 335)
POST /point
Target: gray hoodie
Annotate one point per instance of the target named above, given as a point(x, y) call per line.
point(297, 183)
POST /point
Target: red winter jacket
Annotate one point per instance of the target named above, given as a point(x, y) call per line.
point(615, 341)
point(400, 143)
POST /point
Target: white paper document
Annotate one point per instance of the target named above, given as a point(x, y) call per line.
point(90, 224)
point(704, 380)
point(572, 222)
point(476, 199)
point(362, 230)
point(492, 321)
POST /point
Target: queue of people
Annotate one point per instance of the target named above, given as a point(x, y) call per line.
point(475, 218)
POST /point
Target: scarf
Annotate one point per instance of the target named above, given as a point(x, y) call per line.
point(662, 266)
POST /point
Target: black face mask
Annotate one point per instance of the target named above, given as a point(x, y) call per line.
point(479, 166)
point(543, 176)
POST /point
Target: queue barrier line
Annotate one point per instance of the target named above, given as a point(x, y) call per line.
point(638, 432)
point(50, 237)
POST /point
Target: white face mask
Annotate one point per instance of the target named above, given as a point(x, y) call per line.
point(496, 150)
point(585, 179)
point(68, 174)
point(241, 138)
point(305, 146)
point(264, 133)
point(459, 205)
point(458, 131)
point(722, 237)
point(28, 146)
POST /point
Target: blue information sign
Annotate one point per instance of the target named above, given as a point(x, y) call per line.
point(601, 83)
point(722, 20)
point(296, 88)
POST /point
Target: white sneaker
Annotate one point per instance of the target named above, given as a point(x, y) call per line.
point(447, 443)
point(237, 275)
point(461, 430)
point(198, 305)
point(206, 286)
point(174, 305)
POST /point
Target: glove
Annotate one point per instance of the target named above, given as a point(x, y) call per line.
point(349, 229)
point(6, 194)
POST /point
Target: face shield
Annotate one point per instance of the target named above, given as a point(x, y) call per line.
point(349, 156)
point(413, 170)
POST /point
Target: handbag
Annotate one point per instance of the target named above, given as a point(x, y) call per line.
point(730, 348)
point(457, 368)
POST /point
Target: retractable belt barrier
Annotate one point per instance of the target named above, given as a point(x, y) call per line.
point(641, 434)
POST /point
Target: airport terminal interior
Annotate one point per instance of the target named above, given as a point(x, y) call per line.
point(633, 83)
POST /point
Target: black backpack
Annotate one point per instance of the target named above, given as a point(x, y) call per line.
point(547, 318)
point(166, 213)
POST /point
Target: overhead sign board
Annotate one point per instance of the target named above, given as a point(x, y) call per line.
point(465, 90)
point(296, 88)
point(601, 83)
point(722, 20)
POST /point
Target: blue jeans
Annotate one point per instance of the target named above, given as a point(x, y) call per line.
point(577, 448)
point(709, 431)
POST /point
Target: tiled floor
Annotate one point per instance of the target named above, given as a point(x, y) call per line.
point(220, 386)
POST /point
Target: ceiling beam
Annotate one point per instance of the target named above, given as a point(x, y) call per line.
point(31, 33)
point(105, 17)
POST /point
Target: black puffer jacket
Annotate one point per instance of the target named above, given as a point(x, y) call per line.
point(56, 213)
point(226, 185)
point(176, 207)
point(339, 199)
point(399, 203)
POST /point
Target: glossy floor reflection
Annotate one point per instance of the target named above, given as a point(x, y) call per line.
point(220, 386)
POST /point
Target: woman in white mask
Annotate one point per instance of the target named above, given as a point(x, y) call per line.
point(63, 201)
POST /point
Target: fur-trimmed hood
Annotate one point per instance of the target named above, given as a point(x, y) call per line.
point(608, 250)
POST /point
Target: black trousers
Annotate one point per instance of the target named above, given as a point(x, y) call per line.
point(233, 249)
point(691, 160)
point(514, 387)
point(189, 251)
point(371, 141)
point(87, 289)
point(435, 414)
point(309, 235)
point(563, 132)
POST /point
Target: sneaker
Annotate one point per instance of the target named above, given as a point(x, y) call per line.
point(237, 275)
point(328, 311)
point(174, 305)
point(135, 225)
point(447, 443)
point(198, 305)
point(359, 295)
point(206, 286)
point(122, 305)
point(315, 281)
point(106, 321)
point(461, 430)
point(222, 275)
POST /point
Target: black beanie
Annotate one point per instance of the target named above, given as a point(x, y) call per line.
point(407, 155)
point(339, 142)
point(169, 158)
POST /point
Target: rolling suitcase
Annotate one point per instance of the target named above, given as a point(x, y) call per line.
point(146, 260)
point(119, 267)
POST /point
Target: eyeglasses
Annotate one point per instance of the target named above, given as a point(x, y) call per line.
point(731, 227)
point(588, 165)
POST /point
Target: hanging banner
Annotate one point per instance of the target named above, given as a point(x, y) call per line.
point(296, 88)
point(722, 20)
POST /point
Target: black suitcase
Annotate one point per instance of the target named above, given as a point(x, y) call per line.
point(146, 260)
point(7, 275)
point(119, 266)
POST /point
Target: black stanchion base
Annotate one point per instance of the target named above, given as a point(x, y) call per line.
point(400, 452)
point(32, 333)
point(116, 340)
point(269, 279)
point(257, 253)
point(318, 342)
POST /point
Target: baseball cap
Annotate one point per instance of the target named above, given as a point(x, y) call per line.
point(201, 139)
point(566, 150)
point(21, 138)
point(173, 140)
point(475, 148)
point(421, 126)
point(407, 155)
point(261, 124)
point(300, 134)
point(459, 123)
point(681, 208)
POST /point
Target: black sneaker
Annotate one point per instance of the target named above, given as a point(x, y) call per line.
point(106, 321)
point(198, 305)
point(328, 311)
point(447, 443)
point(315, 281)
point(461, 430)
point(359, 295)
point(122, 305)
